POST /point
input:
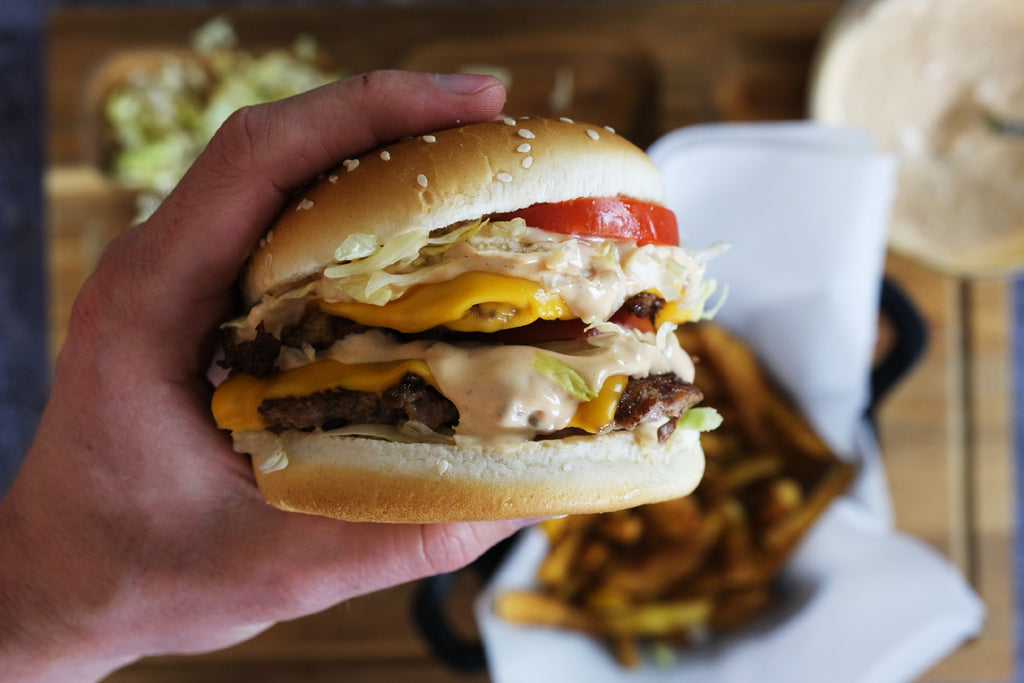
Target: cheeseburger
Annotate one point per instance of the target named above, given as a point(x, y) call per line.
point(472, 324)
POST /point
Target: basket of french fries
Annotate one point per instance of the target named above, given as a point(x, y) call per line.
point(672, 574)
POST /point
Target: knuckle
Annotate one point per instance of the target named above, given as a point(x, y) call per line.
point(108, 300)
point(239, 137)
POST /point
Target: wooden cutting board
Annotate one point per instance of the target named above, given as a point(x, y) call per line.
point(645, 68)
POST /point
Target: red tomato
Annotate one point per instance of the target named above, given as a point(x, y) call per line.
point(607, 217)
point(632, 322)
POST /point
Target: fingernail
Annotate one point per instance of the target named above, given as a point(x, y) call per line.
point(464, 84)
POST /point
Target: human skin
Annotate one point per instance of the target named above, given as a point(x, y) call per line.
point(133, 528)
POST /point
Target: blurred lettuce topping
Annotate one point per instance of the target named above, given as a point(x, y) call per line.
point(160, 119)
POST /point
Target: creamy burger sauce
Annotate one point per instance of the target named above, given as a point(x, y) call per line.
point(495, 404)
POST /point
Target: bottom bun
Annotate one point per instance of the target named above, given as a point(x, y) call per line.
point(371, 480)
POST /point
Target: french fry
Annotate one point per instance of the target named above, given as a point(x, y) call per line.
point(538, 609)
point(626, 651)
point(737, 369)
point(668, 574)
point(649, 576)
point(657, 618)
point(673, 520)
point(794, 526)
point(621, 527)
point(555, 570)
point(794, 428)
point(749, 470)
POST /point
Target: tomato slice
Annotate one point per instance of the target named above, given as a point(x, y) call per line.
point(605, 217)
point(543, 331)
point(632, 322)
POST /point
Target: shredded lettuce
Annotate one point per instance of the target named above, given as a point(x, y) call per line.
point(277, 460)
point(381, 274)
point(702, 418)
point(358, 245)
point(665, 337)
point(407, 432)
point(365, 279)
point(708, 288)
point(603, 328)
point(563, 375)
point(441, 240)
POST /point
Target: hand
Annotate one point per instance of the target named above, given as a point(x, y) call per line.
point(133, 528)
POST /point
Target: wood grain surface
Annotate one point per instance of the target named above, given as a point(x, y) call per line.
point(645, 68)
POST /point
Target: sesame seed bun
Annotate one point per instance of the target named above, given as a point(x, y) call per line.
point(432, 181)
point(511, 449)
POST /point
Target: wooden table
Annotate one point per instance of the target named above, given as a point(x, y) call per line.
point(945, 430)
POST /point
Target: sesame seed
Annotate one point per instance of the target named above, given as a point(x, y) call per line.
point(565, 119)
point(523, 148)
point(385, 155)
point(270, 236)
point(333, 178)
point(592, 133)
point(429, 138)
point(528, 134)
point(422, 180)
point(527, 162)
point(610, 129)
point(505, 177)
point(263, 242)
point(304, 205)
point(509, 121)
point(350, 164)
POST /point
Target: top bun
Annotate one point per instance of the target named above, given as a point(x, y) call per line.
point(432, 181)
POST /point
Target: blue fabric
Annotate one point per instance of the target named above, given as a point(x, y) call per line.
point(23, 343)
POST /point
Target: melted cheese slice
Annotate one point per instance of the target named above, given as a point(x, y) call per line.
point(599, 412)
point(673, 312)
point(236, 401)
point(471, 302)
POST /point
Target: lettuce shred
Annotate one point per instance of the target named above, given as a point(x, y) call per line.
point(702, 419)
point(407, 432)
point(564, 376)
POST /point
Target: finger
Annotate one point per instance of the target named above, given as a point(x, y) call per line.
point(205, 230)
point(337, 561)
